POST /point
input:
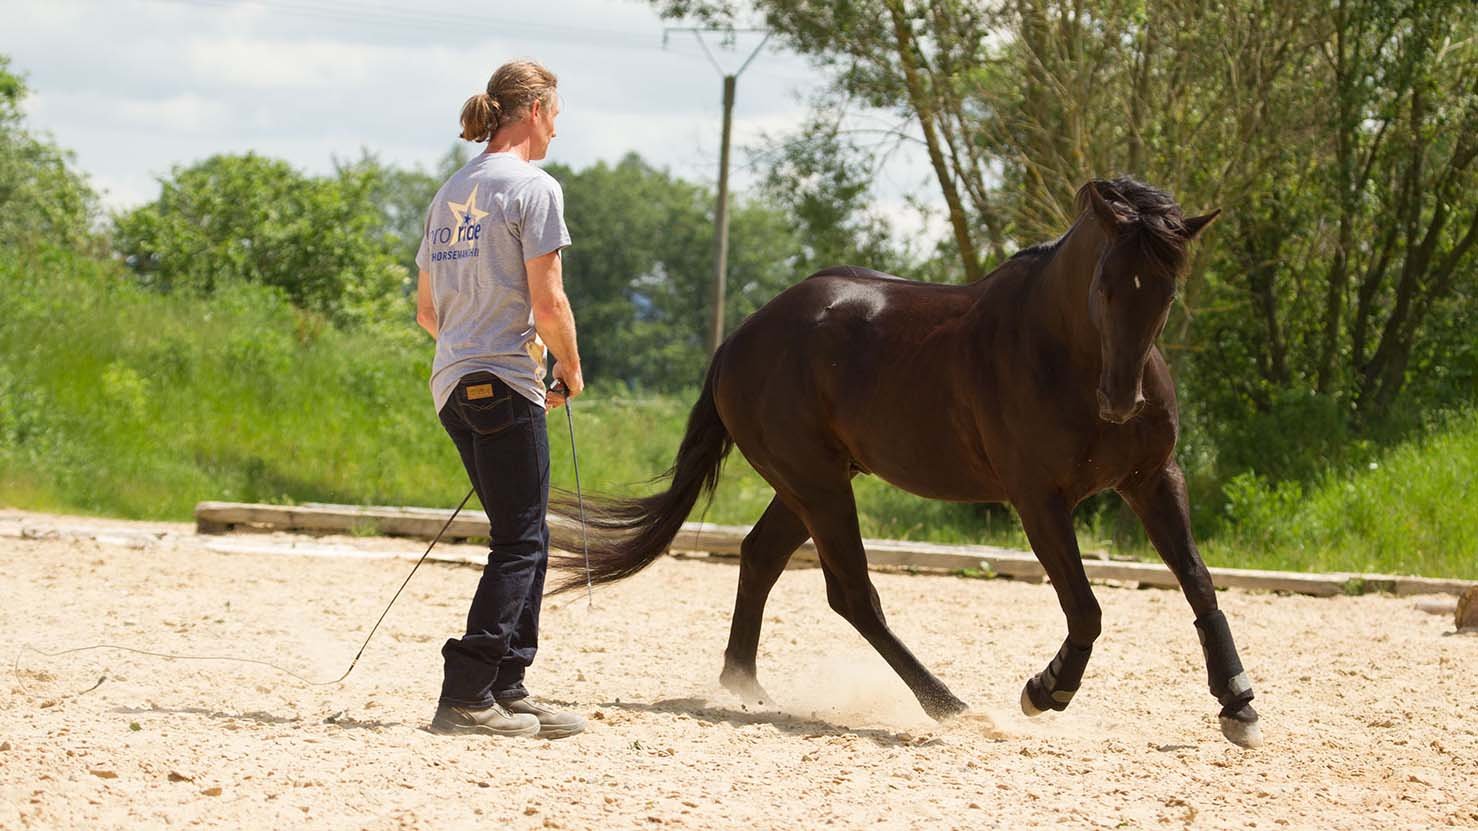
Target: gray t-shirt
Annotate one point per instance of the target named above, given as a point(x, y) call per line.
point(488, 219)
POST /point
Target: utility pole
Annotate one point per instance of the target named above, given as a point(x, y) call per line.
point(721, 212)
point(721, 219)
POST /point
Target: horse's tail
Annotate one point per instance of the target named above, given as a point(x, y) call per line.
point(627, 535)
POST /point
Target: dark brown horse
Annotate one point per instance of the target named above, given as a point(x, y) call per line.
point(1038, 385)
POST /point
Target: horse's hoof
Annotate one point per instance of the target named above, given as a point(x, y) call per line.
point(947, 710)
point(1242, 730)
point(746, 688)
point(1026, 702)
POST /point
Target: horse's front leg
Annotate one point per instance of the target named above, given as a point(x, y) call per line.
point(1160, 501)
point(1049, 527)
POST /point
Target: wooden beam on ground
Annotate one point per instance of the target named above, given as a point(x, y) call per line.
point(217, 517)
point(726, 539)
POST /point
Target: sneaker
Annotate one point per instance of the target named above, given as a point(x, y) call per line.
point(494, 720)
point(552, 723)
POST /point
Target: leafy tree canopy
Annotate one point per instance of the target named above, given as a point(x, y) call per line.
point(42, 198)
point(322, 241)
point(1340, 137)
point(640, 271)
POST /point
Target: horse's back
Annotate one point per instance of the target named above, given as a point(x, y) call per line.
point(851, 293)
point(836, 356)
point(857, 271)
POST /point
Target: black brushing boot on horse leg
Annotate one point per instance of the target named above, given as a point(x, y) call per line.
point(1159, 499)
point(1049, 528)
point(1053, 687)
point(1038, 385)
point(1228, 681)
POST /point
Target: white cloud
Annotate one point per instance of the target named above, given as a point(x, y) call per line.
point(274, 64)
point(120, 190)
point(47, 17)
point(138, 86)
point(186, 113)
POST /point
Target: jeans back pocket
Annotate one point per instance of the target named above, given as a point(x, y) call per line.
point(487, 406)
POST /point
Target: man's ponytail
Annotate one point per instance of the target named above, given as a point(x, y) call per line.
point(512, 89)
point(480, 117)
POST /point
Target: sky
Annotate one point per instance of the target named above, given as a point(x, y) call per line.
point(134, 87)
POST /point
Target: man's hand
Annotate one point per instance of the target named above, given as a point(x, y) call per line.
point(568, 383)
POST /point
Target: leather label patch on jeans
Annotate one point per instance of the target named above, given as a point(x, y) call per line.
point(479, 391)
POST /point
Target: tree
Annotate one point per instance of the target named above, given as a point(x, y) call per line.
point(231, 219)
point(823, 182)
point(1357, 246)
point(1342, 141)
point(638, 272)
point(42, 198)
point(1418, 81)
point(872, 53)
point(403, 196)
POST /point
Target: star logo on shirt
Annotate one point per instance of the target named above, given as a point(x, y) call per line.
point(468, 217)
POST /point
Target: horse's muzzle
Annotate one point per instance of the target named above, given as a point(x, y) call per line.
point(1118, 415)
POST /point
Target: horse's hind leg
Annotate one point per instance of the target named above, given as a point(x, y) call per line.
point(1049, 527)
point(762, 557)
point(832, 517)
point(1160, 501)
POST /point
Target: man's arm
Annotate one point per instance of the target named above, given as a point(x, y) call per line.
point(425, 308)
point(554, 320)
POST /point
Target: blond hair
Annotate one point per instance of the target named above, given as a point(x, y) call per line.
point(511, 91)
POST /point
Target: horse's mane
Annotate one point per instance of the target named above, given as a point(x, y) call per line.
point(1150, 215)
point(1039, 248)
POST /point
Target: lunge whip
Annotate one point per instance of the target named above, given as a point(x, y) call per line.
point(589, 593)
point(16, 667)
point(559, 386)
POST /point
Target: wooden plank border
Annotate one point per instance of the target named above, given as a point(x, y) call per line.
point(724, 540)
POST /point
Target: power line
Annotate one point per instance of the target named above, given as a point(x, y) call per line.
point(381, 14)
point(386, 16)
point(390, 17)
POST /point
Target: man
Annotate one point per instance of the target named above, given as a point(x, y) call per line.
point(491, 293)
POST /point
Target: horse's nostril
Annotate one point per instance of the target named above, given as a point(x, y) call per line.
point(1108, 412)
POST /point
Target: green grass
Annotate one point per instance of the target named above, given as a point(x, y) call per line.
point(120, 401)
point(1414, 510)
point(116, 400)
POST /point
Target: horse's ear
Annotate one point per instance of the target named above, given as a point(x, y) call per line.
point(1196, 224)
point(1109, 218)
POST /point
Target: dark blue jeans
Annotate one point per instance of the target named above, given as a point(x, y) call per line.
point(505, 449)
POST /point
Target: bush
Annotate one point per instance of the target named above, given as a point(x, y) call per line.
point(1295, 438)
point(1411, 510)
point(1261, 511)
point(247, 219)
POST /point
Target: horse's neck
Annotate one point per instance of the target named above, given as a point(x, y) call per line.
point(1060, 289)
